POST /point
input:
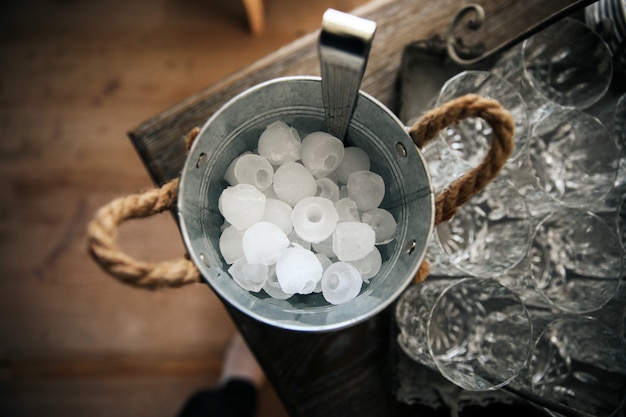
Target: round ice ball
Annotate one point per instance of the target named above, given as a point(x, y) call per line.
point(367, 189)
point(298, 270)
point(314, 219)
point(325, 247)
point(270, 193)
point(242, 205)
point(354, 159)
point(347, 210)
point(279, 213)
point(293, 182)
point(343, 192)
point(341, 282)
point(327, 188)
point(231, 244)
point(250, 277)
point(325, 260)
point(279, 143)
point(321, 153)
point(272, 286)
point(353, 240)
point(297, 240)
point(263, 243)
point(369, 266)
point(383, 223)
point(250, 169)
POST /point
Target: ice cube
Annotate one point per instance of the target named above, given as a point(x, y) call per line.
point(270, 193)
point(354, 159)
point(326, 188)
point(250, 169)
point(383, 223)
point(347, 210)
point(293, 182)
point(298, 270)
point(343, 192)
point(369, 266)
point(242, 205)
point(263, 243)
point(324, 247)
point(279, 143)
point(321, 153)
point(314, 219)
point(297, 240)
point(324, 260)
point(367, 189)
point(279, 213)
point(229, 176)
point(250, 277)
point(333, 178)
point(341, 283)
point(353, 240)
point(272, 286)
point(230, 244)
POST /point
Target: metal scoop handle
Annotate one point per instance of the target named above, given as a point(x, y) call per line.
point(344, 47)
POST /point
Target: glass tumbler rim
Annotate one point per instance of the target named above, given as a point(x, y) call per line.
point(579, 116)
point(528, 340)
point(565, 213)
point(602, 45)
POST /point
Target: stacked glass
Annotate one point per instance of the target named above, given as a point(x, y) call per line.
point(525, 287)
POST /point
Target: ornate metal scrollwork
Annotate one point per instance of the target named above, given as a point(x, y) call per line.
point(476, 21)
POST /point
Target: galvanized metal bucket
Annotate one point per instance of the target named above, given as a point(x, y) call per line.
point(298, 101)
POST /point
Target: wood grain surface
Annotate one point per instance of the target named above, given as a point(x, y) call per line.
point(75, 77)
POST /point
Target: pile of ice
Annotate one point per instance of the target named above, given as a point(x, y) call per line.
point(302, 217)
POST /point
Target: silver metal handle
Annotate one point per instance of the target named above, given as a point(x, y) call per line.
point(344, 47)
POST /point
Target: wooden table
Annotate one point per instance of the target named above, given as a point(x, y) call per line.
point(348, 371)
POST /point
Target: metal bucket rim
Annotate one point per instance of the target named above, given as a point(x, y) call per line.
point(197, 258)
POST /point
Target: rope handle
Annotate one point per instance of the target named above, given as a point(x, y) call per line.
point(102, 238)
point(475, 180)
point(102, 230)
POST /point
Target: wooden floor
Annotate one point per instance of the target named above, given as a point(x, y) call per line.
point(75, 76)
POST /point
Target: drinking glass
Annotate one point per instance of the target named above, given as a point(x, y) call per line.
point(470, 139)
point(575, 261)
point(476, 332)
point(566, 64)
point(621, 223)
point(444, 165)
point(616, 122)
point(412, 312)
point(579, 363)
point(573, 161)
point(619, 120)
point(487, 236)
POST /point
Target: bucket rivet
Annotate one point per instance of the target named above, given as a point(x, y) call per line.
point(204, 260)
point(401, 150)
point(410, 247)
point(201, 160)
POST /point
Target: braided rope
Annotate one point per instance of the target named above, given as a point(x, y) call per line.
point(102, 230)
point(478, 178)
point(102, 238)
point(475, 180)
